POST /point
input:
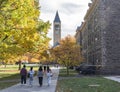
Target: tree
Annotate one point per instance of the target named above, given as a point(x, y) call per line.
point(43, 45)
point(21, 31)
point(68, 52)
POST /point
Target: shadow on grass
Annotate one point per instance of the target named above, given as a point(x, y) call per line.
point(9, 80)
point(10, 77)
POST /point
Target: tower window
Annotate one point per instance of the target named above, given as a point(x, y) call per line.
point(57, 27)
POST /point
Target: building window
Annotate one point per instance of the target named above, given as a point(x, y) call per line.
point(96, 39)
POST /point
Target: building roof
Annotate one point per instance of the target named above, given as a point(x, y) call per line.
point(56, 44)
point(57, 18)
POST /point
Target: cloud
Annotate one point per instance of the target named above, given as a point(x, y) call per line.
point(70, 8)
point(71, 14)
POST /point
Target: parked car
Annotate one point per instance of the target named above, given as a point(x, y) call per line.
point(79, 68)
point(86, 69)
point(89, 69)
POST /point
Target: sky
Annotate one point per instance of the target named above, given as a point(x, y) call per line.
point(71, 13)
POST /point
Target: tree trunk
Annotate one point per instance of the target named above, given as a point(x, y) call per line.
point(19, 65)
point(5, 65)
point(67, 70)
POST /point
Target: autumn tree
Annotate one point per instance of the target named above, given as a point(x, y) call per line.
point(21, 31)
point(67, 53)
point(43, 45)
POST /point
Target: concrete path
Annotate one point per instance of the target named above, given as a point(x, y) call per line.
point(36, 87)
point(115, 78)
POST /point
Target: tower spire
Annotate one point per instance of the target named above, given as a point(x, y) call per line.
point(57, 18)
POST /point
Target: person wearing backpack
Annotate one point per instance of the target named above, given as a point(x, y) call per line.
point(23, 73)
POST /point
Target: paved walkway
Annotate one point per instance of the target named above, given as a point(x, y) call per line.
point(115, 78)
point(36, 87)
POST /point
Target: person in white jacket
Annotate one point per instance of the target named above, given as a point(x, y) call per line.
point(31, 75)
point(49, 75)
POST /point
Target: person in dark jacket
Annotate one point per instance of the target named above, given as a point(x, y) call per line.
point(44, 69)
point(23, 73)
point(40, 76)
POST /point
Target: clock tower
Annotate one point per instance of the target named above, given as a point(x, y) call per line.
point(56, 30)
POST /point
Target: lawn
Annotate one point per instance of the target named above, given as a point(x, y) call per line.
point(63, 73)
point(86, 84)
point(10, 72)
point(9, 75)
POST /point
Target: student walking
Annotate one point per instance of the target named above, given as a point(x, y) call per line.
point(31, 75)
point(40, 76)
point(44, 68)
point(49, 75)
point(23, 73)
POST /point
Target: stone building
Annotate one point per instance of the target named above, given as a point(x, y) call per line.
point(100, 35)
point(56, 30)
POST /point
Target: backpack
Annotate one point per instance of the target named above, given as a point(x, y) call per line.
point(28, 75)
point(23, 71)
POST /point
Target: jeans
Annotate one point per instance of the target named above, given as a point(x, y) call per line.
point(23, 79)
point(40, 80)
point(31, 81)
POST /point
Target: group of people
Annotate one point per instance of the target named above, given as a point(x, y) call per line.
point(40, 73)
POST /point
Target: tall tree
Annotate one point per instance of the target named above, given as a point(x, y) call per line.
point(19, 28)
point(68, 52)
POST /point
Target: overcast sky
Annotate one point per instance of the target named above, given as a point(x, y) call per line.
point(71, 13)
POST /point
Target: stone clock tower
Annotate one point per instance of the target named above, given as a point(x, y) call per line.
point(56, 30)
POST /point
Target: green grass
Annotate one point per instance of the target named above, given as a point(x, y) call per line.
point(7, 84)
point(9, 75)
point(8, 79)
point(13, 76)
point(9, 72)
point(84, 84)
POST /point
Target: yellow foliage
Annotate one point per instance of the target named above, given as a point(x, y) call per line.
point(20, 29)
point(68, 52)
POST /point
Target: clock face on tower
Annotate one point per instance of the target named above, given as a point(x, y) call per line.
point(57, 29)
